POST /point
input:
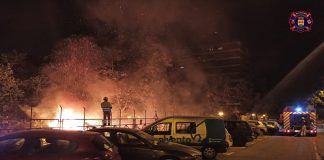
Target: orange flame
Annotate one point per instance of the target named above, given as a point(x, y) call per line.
point(70, 120)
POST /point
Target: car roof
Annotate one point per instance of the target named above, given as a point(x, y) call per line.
point(50, 133)
point(114, 129)
point(194, 117)
point(206, 117)
point(168, 117)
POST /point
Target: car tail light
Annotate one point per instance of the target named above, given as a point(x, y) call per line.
point(313, 131)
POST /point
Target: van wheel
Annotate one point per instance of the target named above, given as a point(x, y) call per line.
point(263, 132)
point(209, 153)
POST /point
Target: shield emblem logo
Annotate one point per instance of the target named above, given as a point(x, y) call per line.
point(300, 22)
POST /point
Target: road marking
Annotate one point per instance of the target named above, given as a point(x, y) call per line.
point(228, 154)
point(317, 155)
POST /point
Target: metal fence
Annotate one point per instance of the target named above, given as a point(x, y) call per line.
point(8, 125)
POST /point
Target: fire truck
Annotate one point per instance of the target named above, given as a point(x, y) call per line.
point(292, 120)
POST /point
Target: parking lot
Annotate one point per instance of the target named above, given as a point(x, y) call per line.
point(279, 147)
point(264, 147)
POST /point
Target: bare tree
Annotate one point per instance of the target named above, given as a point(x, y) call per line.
point(10, 91)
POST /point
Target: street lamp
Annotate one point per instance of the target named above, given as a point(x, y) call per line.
point(221, 113)
point(253, 116)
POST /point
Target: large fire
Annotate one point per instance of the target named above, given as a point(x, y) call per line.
point(69, 119)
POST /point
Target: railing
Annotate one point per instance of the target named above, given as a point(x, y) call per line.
point(9, 125)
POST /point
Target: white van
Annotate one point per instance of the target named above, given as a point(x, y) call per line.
point(205, 133)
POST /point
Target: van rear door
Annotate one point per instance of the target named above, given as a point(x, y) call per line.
point(215, 130)
point(215, 135)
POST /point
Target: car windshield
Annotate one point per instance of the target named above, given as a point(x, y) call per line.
point(146, 136)
point(263, 123)
point(11, 145)
point(102, 144)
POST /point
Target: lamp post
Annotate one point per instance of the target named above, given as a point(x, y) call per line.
point(221, 114)
point(253, 116)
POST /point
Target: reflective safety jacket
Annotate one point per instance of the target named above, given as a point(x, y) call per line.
point(106, 106)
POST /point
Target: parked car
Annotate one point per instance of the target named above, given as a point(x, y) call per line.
point(204, 133)
point(138, 145)
point(229, 138)
point(260, 125)
point(56, 145)
point(274, 123)
point(255, 129)
point(240, 131)
point(272, 127)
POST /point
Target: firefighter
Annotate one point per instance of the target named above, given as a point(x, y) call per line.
point(106, 109)
point(303, 128)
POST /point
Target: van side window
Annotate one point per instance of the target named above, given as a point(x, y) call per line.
point(161, 129)
point(185, 127)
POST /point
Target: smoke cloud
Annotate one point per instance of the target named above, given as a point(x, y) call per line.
point(136, 58)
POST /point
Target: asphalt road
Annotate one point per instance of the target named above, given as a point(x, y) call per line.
point(279, 148)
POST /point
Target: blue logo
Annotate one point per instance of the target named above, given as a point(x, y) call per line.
point(300, 21)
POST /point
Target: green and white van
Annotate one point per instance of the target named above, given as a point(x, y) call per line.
point(205, 133)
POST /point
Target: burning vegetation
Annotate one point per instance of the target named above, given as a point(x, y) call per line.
point(130, 53)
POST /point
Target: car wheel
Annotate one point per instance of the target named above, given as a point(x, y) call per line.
point(169, 158)
point(209, 153)
point(240, 143)
point(256, 134)
point(263, 132)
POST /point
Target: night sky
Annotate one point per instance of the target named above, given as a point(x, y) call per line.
point(35, 27)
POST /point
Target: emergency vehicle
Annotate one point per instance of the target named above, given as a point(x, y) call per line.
point(208, 134)
point(292, 120)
